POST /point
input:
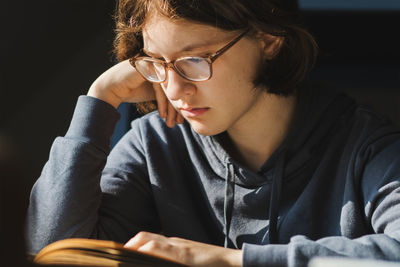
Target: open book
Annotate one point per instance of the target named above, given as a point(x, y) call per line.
point(90, 252)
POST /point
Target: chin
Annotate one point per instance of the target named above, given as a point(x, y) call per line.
point(204, 129)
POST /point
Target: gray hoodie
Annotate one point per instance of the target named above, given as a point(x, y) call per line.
point(331, 189)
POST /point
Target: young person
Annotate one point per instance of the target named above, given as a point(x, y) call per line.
point(242, 165)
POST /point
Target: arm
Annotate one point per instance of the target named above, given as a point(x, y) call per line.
point(380, 191)
point(66, 199)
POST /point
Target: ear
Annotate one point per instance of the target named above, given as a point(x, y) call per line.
point(270, 44)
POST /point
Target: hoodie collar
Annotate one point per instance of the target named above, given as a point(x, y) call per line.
point(315, 115)
point(316, 111)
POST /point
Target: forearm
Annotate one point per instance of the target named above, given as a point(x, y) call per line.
point(301, 250)
point(65, 199)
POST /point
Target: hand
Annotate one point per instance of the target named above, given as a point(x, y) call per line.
point(184, 251)
point(122, 83)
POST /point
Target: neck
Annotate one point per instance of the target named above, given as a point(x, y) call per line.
point(260, 132)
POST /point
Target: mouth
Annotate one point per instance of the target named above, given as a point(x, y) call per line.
point(193, 112)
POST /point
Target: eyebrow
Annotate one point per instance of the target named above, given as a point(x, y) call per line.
point(150, 54)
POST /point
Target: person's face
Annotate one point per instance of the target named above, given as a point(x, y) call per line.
point(229, 97)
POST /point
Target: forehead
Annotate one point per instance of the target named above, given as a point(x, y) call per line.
point(167, 36)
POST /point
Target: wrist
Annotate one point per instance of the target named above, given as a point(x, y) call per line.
point(105, 95)
point(234, 258)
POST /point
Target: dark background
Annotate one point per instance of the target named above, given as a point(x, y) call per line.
point(51, 51)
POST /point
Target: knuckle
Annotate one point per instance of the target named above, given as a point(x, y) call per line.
point(153, 245)
point(142, 235)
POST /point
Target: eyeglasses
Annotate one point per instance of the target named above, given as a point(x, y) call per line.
point(194, 69)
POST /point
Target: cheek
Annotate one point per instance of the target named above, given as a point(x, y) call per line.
point(227, 86)
point(248, 62)
point(239, 71)
point(233, 77)
point(235, 82)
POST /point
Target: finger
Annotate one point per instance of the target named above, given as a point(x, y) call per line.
point(141, 239)
point(171, 116)
point(163, 250)
point(179, 118)
point(162, 101)
point(156, 247)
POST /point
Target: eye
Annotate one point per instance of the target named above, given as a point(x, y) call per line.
point(195, 59)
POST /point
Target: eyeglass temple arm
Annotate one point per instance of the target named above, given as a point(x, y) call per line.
point(214, 56)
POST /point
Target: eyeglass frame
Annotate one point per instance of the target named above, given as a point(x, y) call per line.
point(171, 65)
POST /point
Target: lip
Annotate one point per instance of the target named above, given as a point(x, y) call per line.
point(193, 112)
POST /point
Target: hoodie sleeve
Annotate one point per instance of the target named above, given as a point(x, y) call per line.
point(380, 192)
point(70, 200)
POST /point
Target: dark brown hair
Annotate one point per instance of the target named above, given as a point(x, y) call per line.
point(281, 75)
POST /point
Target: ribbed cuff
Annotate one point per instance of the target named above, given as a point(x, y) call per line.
point(264, 255)
point(93, 121)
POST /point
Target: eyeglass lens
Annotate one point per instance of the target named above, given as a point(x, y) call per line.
point(151, 70)
point(192, 68)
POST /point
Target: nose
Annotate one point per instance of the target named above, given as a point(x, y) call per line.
point(176, 87)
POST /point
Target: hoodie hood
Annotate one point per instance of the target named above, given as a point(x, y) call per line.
point(316, 112)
